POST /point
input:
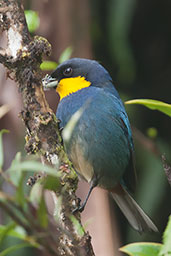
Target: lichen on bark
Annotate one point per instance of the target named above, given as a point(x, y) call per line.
point(22, 58)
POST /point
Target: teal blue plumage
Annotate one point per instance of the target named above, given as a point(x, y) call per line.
point(101, 146)
point(102, 140)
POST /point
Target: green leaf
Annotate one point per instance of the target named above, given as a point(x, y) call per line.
point(69, 128)
point(5, 230)
point(32, 20)
point(77, 226)
point(166, 248)
point(12, 230)
point(20, 197)
point(141, 249)
point(42, 213)
point(14, 248)
point(48, 65)
point(66, 54)
point(1, 147)
point(17, 167)
point(153, 104)
point(17, 232)
point(57, 207)
point(51, 183)
point(15, 171)
point(35, 193)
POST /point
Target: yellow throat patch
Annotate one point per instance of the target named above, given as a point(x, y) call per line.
point(70, 85)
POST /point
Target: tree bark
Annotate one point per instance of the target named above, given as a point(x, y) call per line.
point(22, 58)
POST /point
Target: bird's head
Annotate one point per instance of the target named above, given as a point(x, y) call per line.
point(76, 74)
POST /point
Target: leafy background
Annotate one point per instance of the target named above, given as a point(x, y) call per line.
point(132, 40)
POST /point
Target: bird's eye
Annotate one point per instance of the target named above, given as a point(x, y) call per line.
point(67, 71)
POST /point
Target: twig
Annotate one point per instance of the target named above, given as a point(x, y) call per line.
point(167, 169)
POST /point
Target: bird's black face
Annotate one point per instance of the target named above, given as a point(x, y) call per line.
point(74, 68)
point(75, 74)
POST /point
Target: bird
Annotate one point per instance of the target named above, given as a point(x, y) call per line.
point(100, 147)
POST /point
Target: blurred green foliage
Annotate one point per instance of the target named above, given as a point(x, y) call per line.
point(151, 249)
point(119, 22)
point(29, 221)
point(153, 104)
point(142, 249)
point(166, 247)
point(48, 65)
point(152, 132)
point(32, 19)
point(51, 65)
point(66, 54)
point(132, 40)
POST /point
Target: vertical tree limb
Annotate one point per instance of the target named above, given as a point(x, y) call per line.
point(22, 58)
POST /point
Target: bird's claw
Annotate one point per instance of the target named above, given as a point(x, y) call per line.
point(79, 208)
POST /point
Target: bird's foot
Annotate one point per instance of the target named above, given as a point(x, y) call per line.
point(79, 208)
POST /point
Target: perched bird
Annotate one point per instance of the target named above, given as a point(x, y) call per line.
point(101, 146)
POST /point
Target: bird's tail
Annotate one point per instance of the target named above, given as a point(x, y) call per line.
point(132, 211)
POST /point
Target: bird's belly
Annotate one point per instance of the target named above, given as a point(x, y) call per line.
point(98, 147)
point(81, 165)
point(102, 159)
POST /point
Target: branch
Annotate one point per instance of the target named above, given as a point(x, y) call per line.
point(22, 58)
point(167, 169)
point(150, 145)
